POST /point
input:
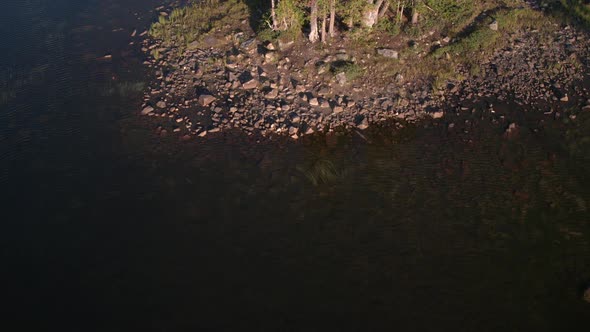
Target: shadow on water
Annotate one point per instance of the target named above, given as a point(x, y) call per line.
point(449, 225)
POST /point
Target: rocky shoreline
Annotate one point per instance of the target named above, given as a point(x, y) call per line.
point(237, 81)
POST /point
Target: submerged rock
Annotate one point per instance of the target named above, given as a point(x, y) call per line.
point(587, 295)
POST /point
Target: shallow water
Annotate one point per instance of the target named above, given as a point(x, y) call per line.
point(108, 227)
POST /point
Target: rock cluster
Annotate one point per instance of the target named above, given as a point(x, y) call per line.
point(256, 88)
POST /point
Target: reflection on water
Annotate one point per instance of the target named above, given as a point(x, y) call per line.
point(445, 225)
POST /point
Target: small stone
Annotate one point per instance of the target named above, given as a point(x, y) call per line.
point(161, 104)
point(205, 100)
point(364, 124)
point(283, 45)
point(147, 110)
point(341, 78)
point(251, 84)
point(314, 102)
point(388, 53)
point(203, 133)
point(565, 99)
point(272, 94)
point(511, 131)
point(338, 109)
point(587, 295)
point(494, 25)
point(438, 114)
point(270, 56)
point(292, 130)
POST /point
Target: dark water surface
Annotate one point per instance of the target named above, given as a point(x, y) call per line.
point(106, 227)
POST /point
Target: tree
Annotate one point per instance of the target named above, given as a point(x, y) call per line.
point(371, 13)
point(273, 15)
point(332, 17)
point(313, 22)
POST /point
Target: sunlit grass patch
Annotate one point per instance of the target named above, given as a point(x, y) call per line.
point(191, 23)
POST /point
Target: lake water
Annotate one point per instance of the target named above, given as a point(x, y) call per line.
point(108, 227)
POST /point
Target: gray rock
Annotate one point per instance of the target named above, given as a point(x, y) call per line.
point(161, 104)
point(272, 94)
point(314, 102)
point(341, 78)
point(147, 110)
point(251, 84)
point(494, 25)
point(388, 53)
point(271, 56)
point(249, 45)
point(283, 45)
point(205, 100)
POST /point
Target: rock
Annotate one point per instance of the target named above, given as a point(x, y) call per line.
point(272, 94)
point(388, 53)
point(341, 78)
point(511, 131)
point(292, 130)
point(269, 46)
point(565, 99)
point(586, 108)
point(251, 84)
point(249, 45)
point(364, 124)
point(205, 100)
point(203, 133)
point(587, 295)
point(314, 102)
point(494, 25)
point(161, 104)
point(438, 114)
point(283, 45)
point(270, 56)
point(295, 118)
point(147, 110)
point(338, 109)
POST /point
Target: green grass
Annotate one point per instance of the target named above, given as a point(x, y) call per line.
point(470, 51)
point(191, 23)
point(350, 69)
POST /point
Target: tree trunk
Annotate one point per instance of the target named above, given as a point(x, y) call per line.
point(371, 14)
point(324, 32)
point(273, 15)
point(415, 17)
point(313, 22)
point(384, 9)
point(332, 16)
